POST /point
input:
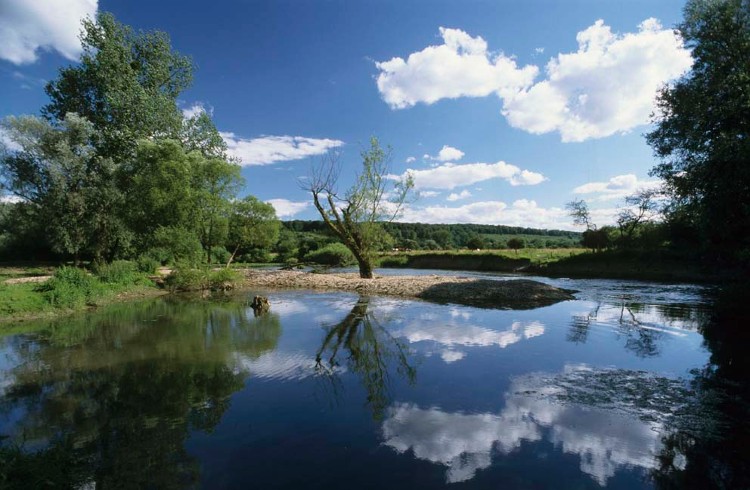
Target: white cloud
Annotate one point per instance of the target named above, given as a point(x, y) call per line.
point(604, 440)
point(464, 194)
point(447, 154)
point(196, 109)
point(266, 150)
point(27, 26)
point(450, 175)
point(452, 333)
point(460, 67)
point(607, 86)
point(617, 187)
point(285, 208)
point(522, 212)
point(411, 159)
point(10, 199)
point(428, 193)
point(449, 355)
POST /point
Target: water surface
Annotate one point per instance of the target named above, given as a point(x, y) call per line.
point(333, 390)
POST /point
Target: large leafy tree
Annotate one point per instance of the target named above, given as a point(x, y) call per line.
point(702, 132)
point(356, 216)
point(253, 224)
point(66, 183)
point(126, 84)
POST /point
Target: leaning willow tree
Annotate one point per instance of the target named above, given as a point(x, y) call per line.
point(356, 216)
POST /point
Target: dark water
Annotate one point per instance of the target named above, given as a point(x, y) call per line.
point(629, 386)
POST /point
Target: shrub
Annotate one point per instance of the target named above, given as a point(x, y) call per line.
point(70, 287)
point(118, 272)
point(220, 255)
point(190, 279)
point(223, 279)
point(334, 255)
point(257, 256)
point(187, 279)
point(148, 264)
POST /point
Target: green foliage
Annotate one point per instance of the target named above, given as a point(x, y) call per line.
point(476, 242)
point(253, 225)
point(356, 217)
point(126, 84)
point(120, 272)
point(147, 264)
point(179, 245)
point(187, 279)
point(194, 279)
point(257, 256)
point(70, 186)
point(516, 244)
point(702, 127)
point(334, 255)
point(70, 287)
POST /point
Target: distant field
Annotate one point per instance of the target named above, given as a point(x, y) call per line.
point(534, 255)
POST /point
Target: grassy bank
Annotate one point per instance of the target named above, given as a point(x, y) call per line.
point(487, 261)
point(614, 264)
point(67, 289)
point(631, 264)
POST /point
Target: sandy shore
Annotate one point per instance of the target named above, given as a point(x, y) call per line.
point(511, 294)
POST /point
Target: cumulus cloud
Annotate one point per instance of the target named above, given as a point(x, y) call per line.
point(607, 86)
point(460, 67)
point(266, 150)
point(286, 208)
point(617, 187)
point(411, 159)
point(26, 27)
point(428, 193)
point(452, 333)
point(522, 212)
point(196, 109)
point(450, 175)
point(447, 154)
point(464, 194)
point(604, 440)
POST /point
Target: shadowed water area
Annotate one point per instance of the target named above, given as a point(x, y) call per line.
point(630, 385)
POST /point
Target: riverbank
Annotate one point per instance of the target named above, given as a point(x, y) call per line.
point(512, 294)
point(575, 263)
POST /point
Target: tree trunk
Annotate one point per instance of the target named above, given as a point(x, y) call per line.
point(365, 267)
point(233, 254)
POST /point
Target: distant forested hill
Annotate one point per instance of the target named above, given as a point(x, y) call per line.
point(429, 236)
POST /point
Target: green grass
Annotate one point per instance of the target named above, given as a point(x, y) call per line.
point(69, 289)
point(536, 256)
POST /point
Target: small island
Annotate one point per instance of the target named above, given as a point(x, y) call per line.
point(484, 293)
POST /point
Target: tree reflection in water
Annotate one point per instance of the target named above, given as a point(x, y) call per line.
point(369, 349)
point(109, 398)
point(714, 433)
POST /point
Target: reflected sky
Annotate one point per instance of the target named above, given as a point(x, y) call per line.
point(603, 439)
point(410, 394)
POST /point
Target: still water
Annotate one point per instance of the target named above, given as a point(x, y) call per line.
point(616, 389)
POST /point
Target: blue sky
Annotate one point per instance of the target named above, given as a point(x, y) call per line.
point(504, 110)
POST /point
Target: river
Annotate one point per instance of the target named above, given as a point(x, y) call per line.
point(630, 385)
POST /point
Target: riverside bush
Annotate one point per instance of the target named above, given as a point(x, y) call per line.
point(71, 287)
point(190, 279)
point(118, 272)
point(334, 255)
